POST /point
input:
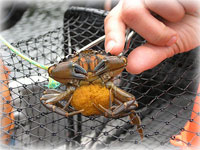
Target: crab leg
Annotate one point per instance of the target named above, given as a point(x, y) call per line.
point(61, 111)
point(50, 97)
point(135, 120)
point(120, 109)
point(117, 111)
point(123, 109)
point(66, 105)
point(52, 91)
point(127, 99)
point(110, 99)
point(108, 113)
point(127, 104)
point(120, 94)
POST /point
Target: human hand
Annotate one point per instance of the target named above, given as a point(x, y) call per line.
point(178, 31)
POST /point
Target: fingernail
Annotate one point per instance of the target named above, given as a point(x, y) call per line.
point(110, 46)
point(172, 41)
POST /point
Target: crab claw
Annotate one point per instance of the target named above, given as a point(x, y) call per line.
point(67, 70)
point(110, 63)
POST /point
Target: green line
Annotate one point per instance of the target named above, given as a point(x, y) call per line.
point(52, 83)
point(12, 48)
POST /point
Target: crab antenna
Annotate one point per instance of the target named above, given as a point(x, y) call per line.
point(17, 52)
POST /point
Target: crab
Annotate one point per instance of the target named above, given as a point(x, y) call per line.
point(90, 68)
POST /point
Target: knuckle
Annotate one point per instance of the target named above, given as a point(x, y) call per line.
point(175, 49)
point(162, 36)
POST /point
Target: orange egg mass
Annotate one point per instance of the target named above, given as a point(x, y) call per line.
point(86, 95)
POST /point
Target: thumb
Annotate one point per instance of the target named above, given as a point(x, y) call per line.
point(148, 56)
point(145, 57)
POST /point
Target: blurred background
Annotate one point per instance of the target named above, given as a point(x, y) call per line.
point(21, 17)
point(44, 31)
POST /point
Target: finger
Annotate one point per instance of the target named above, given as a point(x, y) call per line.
point(171, 10)
point(146, 57)
point(190, 7)
point(137, 17)
point(114, 31)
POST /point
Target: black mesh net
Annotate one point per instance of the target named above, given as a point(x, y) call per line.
point(165, 94)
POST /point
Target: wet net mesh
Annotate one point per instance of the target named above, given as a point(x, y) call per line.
point(165, 94)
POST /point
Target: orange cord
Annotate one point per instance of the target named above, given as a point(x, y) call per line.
point(6, 109)
point(189, 139)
